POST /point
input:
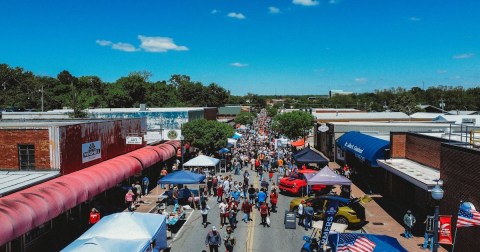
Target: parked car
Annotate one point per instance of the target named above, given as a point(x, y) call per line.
point(350, 211)
point(297, 183)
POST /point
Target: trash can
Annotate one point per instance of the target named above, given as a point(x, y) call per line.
point(290, 220)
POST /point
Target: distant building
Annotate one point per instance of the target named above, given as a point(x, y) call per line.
point(338, 92)
point(360, 116)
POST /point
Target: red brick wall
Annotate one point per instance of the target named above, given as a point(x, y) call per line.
point(397, 143)
point(11, 138)
point(423, 149)
point(460, 172)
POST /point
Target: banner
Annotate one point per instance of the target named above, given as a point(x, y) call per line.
point(328, 222)
point(445, 229)
point(91, 151)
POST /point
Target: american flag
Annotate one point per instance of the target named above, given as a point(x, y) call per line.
point(468, 218)
point(355, 243)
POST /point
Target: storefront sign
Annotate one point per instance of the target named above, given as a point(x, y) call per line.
point(354, 147)
point(134, 140)
point(323, 128)
point(91, 151)
point(328, 221)
point(172, 134)
point(445, 230)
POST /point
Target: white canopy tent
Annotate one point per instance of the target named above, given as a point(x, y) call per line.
point(202, 161)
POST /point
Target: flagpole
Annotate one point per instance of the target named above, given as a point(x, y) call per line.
point(456, 228)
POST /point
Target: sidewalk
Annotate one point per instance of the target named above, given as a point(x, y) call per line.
point(149, 201)
point(380, 222)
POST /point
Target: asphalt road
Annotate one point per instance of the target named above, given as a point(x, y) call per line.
point(249, 236)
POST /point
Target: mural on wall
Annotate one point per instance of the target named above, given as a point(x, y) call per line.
point(156, 121)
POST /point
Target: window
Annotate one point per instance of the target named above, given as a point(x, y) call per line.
point(26, 156)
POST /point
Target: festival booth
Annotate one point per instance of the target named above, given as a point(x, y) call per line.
point(299, 143)
point(309, 156)
point(203, 161)
point(327, 177)
point(231, 142)
point(237, 135)
point(126, 231)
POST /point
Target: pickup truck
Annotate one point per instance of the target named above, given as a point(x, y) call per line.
point(297, 183)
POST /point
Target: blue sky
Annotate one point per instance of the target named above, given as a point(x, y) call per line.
point(258, 46)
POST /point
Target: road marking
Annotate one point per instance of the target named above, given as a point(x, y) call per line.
point(251, 225)
point(184, 224)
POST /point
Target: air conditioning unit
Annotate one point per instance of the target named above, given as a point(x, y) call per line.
point(468, 120)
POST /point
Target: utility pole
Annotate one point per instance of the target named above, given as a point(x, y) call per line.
point(41, 99)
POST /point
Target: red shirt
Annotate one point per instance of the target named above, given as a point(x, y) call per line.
point(273, 198)
point(94, 217)
point(220, 191)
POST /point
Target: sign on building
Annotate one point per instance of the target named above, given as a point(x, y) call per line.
point(134, 140)
point(91, 151)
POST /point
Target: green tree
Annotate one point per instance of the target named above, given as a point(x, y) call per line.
point(272, 111)
point(206, 135)
point(405, 102)
point(293, 124)
point(245, 118)
point(73, 98)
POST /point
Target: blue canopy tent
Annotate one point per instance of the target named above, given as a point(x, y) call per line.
point(126, 231)
point(182, 177)
point(308, 155)
point(223, 150)
point(365, 147)
point(237, 135)
point(383, 243)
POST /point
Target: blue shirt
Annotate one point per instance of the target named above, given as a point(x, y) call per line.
point(235, 195)
point(262, 196)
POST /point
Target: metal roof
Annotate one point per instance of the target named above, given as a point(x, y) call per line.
point(415, 173)
point(11, 181)
point(229, 110)
point(45, 123)
point(457, 119)
point(425, 115)
point(357, 116)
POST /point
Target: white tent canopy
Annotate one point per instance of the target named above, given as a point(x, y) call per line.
point(202, 161)
point(123, 232)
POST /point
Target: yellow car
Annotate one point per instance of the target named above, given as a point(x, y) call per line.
point(350, 211)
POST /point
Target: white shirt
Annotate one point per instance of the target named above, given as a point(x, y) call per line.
point(226, 185)
point(223, 207)
point(300, 208)
point(204, 211)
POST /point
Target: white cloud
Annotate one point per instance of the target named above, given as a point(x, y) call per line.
point(103, 42)
point(414, 19)
point(334, 1)
point(305, 2)
point(126, 47)
point(273, 10)
point(441, 71)
point(361, 80)
point(463, 56)
point(236, 15)
point(159, 44)
point(238, 64)
point(215, 11)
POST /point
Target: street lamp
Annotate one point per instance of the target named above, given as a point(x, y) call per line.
point(437, 195)
point(181, 146)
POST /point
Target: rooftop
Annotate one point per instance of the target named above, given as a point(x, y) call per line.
point(11, 181)
point(361, 116)
point(416, 173)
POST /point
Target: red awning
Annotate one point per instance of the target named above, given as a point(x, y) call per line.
point(298, 143)
point(80, 186)
point(174, 143)
point(126, 165)
point(179, 152)
point(148, 157)
point(41, 207)
point(157, 150)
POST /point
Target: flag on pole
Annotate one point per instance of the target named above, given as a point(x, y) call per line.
point(468, 217)
point(355, 243)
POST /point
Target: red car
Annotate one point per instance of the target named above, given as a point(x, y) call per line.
point(297, 182)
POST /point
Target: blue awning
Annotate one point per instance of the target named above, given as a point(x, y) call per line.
point(366, 148)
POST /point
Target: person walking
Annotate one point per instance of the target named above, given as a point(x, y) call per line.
point(94, 217)
point(262, 197)
point(204, 211)
point(247, 209)
point(145, 183)
point(274, 200)
point(129, 200)
point(251, 194)
point(229, 240)
point(301, 213)
point(409, 220)
point(163, 173)
point(220, 193)
point(264, 213)
point(213, 240)
point(308, 216)
point(223, 212)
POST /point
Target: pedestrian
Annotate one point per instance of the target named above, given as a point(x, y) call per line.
point(139, 191)
point(308, 215)
point(145, 183)
point(209, 185)
point(214, 185)
point(264, 213)
point(129, 200)
point(223, 212)
point(213, 240)
point(262, 197)
point(409, 220)
point(229, 240)
point(94, 217)
point(251, 194)
point(220, 193)
point(163, 173)
point(204, 211)
point(247, 209)
point(429, 232)
point(301, 214)
point(270, 174)
point(274, 200)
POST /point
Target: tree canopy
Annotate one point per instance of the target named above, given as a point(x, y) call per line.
point(293, 124)
point(206, 135)
point(245, 118)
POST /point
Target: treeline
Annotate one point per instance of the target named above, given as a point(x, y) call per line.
point(23, 90)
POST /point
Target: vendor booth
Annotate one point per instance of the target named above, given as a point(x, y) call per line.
point(127, 231)
point(327, 177)
point(203, 161)
point(309, 156)
point(380, 243)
